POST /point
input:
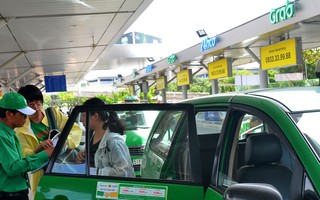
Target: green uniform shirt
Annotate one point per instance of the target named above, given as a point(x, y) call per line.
point(13, 166)
point(40, 130)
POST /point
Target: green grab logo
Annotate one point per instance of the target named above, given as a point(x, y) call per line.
point(280, 14)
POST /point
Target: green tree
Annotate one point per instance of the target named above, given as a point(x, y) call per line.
point(67, 98)
point(200, 85)
point(172, 87)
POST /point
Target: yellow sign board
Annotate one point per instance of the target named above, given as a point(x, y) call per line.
point(219, 69)
point(184, 77)
point(282, 54)
point(161, 82)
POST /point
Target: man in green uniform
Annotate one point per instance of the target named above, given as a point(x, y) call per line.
point(34, 134)
point(14, 181)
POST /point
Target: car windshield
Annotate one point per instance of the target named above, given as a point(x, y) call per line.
point(308, 124)
point(137, 119)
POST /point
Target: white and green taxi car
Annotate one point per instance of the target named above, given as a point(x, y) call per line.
point(196, 150)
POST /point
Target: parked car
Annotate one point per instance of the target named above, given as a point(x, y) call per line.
point(190, 156)
point(138, 125)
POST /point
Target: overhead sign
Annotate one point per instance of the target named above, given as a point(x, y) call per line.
point(219, 69)
point(184, 77)
point(172, 59)
point(208, 43)
point(161, 82)
point(282, 54)
point(149, 68)
point(55, 83)
point(280, 14)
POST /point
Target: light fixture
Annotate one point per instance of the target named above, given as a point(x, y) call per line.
point(13, 60)
point(201, 33)
point(150, 59)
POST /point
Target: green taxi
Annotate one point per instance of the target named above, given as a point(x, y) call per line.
point(197, 149)
point(138, 125)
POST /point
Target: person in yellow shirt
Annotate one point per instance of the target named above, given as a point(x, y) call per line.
point(34, 135)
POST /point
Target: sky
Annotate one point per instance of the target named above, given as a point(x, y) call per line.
point(176, 21)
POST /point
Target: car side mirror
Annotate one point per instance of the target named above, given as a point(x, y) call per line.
point(252, 191)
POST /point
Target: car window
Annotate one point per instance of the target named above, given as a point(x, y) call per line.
point(250, 124)
point(162, 138)
point(308, 124)
point(136, 119)
point(168, 149)
point(158, 145)
point(137, 127)
point(66, 161)
point(258, 154)
point(209, 125)
point(209, 122)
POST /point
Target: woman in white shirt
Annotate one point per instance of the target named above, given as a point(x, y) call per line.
point(108, 149)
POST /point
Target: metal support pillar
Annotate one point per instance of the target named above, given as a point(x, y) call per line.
point(136, 90)
point(145, 96)
point(262, 73)
point(164, 95)
point(215, 87)
point(263, 78)
point(184, 91)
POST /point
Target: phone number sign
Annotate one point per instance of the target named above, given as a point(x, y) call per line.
point(184, 77)
point(282, 54)
point(219, 69)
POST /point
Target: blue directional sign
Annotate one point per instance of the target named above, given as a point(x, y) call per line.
point(55, 83)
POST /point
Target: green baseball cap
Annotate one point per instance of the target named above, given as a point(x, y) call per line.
point(16, 101)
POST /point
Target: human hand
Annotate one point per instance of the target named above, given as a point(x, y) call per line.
point(49, 151)
point(80, 157)
point(47, 144)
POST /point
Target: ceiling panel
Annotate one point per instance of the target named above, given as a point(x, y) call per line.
point(58, 56)
point(127, 63)
point(56, 69)
point(59, 32)
point(14, 8)
point(60, 36)
point(5, 57)
point(130, 5)
point(8, 44)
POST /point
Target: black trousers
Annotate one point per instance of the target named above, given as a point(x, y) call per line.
point(21, 195)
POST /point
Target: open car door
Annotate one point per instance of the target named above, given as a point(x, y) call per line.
point(170, 166)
